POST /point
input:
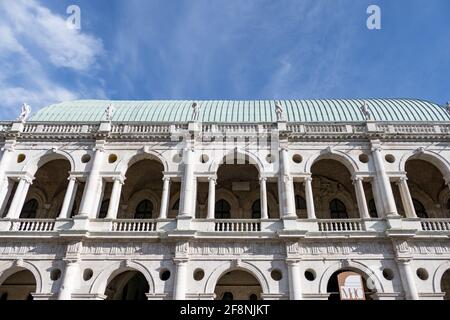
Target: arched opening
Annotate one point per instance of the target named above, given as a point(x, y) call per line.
point(334, 290)
point(338, 209)
point(445, 284)
point(222, 210)
point(240, 179)
point(333, 191)
point(256, 209)
point(238, 285)
point(29, 209)
point(425, 183)
point(128, 285)
point(142, 191)
point(144, 210)
point(18, 286)
point(46, 195)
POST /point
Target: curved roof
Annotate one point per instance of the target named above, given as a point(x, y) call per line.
point(231, 111)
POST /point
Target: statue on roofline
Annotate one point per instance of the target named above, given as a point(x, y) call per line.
point(366, 111)
point(109, 112)
point(195, 111)
point(24, 113)
point(279, 111)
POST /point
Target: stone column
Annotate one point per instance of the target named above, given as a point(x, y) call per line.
point(5, 187)
point(69, 198)
point(114, 200)
point(165, 198)
point(288, 186)
point(19, 198)
point(384, 183)
point(179, 290)
point(69, 281)
point(309, 198)
point(407, 276)
point(211, 198)
point(377, 197)
point(188, 184)
point(295, 290)
point(407, 202)
point(87, 206)
point(361, 198)
point(263, 191)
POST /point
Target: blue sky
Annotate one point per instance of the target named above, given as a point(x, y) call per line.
point(221, 49)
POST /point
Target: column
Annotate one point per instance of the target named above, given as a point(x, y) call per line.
point(295, 290)
point(309, 198)
point(5, 187)
point(87, 204)
point(69, 199)
point(188, 184)
point(361, 198)
point(288, 185)
point(211, 198)
point(165, 198)
point(263, 191)
point(179, 291)
point(377, 197)
point(407, 277)
point(19, 198)
point(69, 281)
point(114, 200)
point(384, 183)
point(407, 202)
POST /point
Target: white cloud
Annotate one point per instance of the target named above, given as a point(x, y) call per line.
point(34, 40)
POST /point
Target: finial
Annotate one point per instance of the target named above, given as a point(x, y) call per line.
point(195, 111)
point(24, 113)
point(109, 112)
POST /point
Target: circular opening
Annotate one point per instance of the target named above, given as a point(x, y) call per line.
point(270, 158)
point(310, 275)
point(87, 274)
point(276, 275)
point(297, 158)
point(21, 158)
point(364, 158)
point(55, 274)
point(422, 274)
point(177, 158)
point(204, 158)
point(85, 158)
point(199, 274)
point(112, 158)
point(164, 275)
point(388, 274)
point(390, 158)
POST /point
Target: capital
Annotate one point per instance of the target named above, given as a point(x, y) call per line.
point(213, 179)
point(308, 179)
point(376, 149)
point(262, 179)
point(27, 179)
point(166, 178)
point(120, 180)
point(71, 178)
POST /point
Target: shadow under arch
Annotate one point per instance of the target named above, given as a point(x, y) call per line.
point(42, 159)
point(239, 154)
point(338, 156)
point(429, 156)
point(10, 268)
point(109, 273)
point(229, 266)
point(127, 163)
point(438, 274)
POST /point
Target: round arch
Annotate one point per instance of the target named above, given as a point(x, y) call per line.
point(218, 272)
point(339, 156)
point(109, 273)
point(229, 197)
point(357, 266)
point(253, 159)
point(43, 158)
point(429, 156)
point(144, 194)
point(9, 268)
point(126, 163)
point(438, 274)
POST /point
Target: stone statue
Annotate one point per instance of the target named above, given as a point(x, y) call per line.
point(195, 111)
point(448, 107)
point(24, 113)
point(279, 111)
point(109, 112)
point(366, 111)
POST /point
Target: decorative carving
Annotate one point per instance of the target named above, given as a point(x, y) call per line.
point(24, 113)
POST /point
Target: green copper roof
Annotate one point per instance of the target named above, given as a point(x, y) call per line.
point(229, 111)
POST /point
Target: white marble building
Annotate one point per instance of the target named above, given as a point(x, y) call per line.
point(225, 200)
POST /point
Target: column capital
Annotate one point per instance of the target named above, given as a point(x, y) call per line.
point(404, 260)
point(180, 260)
point(357, 178)
point(309, 178)
point(293, 261)
point(119, 179)
point(27, 179)
point(72, 178)
point(213, 179)
point(402, 179)
point(166, 178)
point(261, 179)
point(99, 149)
point(8, 147)
point(376, 148)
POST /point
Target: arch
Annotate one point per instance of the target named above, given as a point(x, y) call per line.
point(109, 273)
point(252, 158)
point(438, 274)
point(337, 207)
point(32, 166)
point(357, 266)
point(339, 156)
point(9, 268)
point(429, 156)
point(138, 197)
point(126, 163)
point(228, 266)
point(222, 207)
point(229, 197)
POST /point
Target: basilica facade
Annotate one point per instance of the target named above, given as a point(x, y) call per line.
point(243, 200)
